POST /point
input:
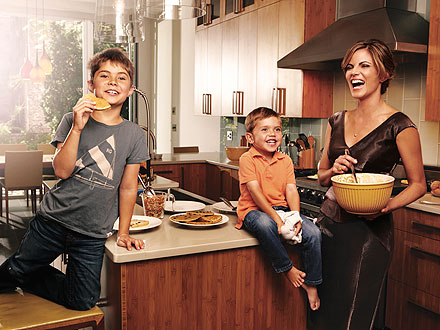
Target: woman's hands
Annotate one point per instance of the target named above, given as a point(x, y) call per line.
point(342, 164)
point(124, 240)
point(81, 113)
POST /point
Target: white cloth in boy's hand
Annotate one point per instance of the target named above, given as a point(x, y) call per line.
point(290, 219)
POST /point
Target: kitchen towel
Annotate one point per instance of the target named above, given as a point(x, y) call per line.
point(290, 219)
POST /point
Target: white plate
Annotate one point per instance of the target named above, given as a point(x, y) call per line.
point(222, 221)
point(154, 222)
point(222, 207)
point(183, 206)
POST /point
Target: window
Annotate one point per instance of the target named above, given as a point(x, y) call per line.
point(30, 111)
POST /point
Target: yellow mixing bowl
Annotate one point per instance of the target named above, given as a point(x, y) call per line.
point(368, 196)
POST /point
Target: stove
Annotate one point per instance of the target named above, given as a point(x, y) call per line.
point(311, 193)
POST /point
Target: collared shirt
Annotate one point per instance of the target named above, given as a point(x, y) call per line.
point(272, 177)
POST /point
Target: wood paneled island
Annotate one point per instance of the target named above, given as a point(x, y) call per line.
point(199, 278)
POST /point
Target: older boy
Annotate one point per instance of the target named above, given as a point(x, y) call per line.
point(97, 159)
point(267, 185)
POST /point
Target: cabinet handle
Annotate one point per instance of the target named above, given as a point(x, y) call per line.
point(182, 175)
point(274, 99)
point(417, 250)
point(240, 102)
point(418, 224)
point(207, 19)
point(422, 307)
point(282, 101)
point(238, 6)
point(163, 172)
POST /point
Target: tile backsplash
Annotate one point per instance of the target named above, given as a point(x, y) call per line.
point(291, 127)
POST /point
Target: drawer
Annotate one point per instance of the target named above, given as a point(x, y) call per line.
point(418, 222)
point(416, 262)
point(410, 309)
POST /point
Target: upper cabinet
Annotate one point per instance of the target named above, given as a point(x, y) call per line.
point(207, 82)
point(246, 49)
point(239, 62)
point(317, 85)
point(432, 108)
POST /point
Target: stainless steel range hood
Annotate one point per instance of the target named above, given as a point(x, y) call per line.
point(394, 22)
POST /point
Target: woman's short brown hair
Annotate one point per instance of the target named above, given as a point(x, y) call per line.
point(256, 115)
point(382, 57)
point(115, 55)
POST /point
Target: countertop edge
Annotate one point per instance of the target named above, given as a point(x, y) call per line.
point(144, 255)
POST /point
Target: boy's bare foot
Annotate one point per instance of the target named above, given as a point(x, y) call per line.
point(296, 277)
point(312, 295)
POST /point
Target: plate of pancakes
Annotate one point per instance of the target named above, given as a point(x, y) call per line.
point(201, 219)
point(140, 222)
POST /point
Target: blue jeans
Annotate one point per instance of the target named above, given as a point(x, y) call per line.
point(29, 268)
point(265, 229)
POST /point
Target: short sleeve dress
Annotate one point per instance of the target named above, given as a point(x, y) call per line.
point(356, 252)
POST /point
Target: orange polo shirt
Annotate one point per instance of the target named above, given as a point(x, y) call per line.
point(272, 177)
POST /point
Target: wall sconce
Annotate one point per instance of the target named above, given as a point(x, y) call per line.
point(174, 9)
point(119, 21)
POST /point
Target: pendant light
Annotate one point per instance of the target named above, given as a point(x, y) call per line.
point(119, 21)
point(44, 61)
point(175, 9)
point(27, 66)
point(37, 74)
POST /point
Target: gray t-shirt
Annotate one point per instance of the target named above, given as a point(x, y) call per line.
point(87, 202)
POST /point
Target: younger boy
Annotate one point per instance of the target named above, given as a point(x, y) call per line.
point(267, 185)
point(97, 159)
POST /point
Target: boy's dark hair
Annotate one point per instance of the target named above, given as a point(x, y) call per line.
point(258, 114)
point(115, 55)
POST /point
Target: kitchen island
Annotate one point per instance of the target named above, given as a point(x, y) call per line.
point(199, 278)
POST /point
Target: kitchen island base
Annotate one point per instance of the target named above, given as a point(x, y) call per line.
point(227, 289)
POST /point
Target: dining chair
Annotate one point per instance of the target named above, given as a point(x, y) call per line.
point(47, 148)
point(181, 150)
point(23, 171)
point(12, 147)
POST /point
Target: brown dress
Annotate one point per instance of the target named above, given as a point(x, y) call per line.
point(356, 253)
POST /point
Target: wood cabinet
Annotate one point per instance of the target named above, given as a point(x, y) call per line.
point(239, 62)
point(432, 107)
point(318, 86)
point(207, 83)
point(291, 18)
point(413, 290)
point(191, 177)
point(222, 182)
point(229, 289)
point(251, 44)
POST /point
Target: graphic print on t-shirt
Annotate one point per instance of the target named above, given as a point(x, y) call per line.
point(95, 167)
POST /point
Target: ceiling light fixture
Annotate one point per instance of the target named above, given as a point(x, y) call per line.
point(44, 61)
point(37, 74)
point(119, 21)
point(27, 66)
point(175, 9)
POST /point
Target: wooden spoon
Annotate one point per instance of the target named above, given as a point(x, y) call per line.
point(311, 140)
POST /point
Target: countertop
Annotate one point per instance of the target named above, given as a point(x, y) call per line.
point(427, 203)
point(170, 240)
point(214, 158)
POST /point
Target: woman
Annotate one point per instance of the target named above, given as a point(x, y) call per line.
point(356, 251)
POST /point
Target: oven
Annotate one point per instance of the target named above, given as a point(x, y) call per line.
point(311, 193)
